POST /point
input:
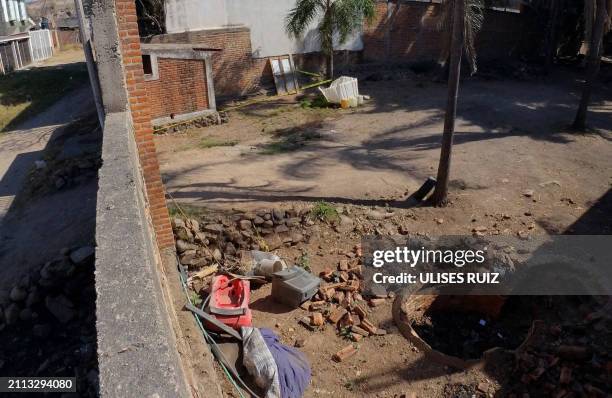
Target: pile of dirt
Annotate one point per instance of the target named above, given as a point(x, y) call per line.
point(47, 322)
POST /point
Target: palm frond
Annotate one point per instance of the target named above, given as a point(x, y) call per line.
point(474, 19)
point(350, 15)
point(301, 16)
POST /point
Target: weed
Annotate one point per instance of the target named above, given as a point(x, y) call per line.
point(195, 298)
point(304, 261)
point(349, 385)
point(206, 143)
point(290, 142)
point(324, 211)
point(317, 102)
point(190, 211)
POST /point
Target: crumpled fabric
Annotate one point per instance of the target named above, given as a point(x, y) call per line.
point(293, 368)
point(259, 362)
point(281, 371)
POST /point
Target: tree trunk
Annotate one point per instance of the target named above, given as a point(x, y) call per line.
point(454, 74)
point(330, 64)
point(328, 45)
point(593, 63)
point(551, 36)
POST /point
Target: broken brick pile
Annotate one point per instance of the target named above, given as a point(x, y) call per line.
point(340, 302)
point(567, 360)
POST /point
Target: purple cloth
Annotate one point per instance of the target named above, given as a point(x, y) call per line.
point(293, 368)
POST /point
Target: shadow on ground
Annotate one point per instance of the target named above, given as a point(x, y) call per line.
point(47, 295)
point(25, 93)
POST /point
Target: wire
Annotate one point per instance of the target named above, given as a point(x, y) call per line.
point(217, 351)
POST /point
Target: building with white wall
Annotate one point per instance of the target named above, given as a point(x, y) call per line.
point(13, 17)
point(264, 18)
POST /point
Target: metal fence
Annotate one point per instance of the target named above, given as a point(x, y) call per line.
point(21, 50)
point(41, 44)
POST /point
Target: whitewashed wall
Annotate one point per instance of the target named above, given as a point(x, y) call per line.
point(265, 18)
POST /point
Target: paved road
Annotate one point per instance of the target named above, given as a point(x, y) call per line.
point(20, 148)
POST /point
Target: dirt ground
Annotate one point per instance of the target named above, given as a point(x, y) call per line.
point(511, 138)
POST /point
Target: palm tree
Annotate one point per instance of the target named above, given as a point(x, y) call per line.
point(337, 18)
point(593, 57)
point(466, 20)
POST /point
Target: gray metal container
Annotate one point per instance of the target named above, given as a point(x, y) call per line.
point(294, 285)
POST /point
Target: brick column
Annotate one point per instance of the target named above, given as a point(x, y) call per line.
point(141, 118)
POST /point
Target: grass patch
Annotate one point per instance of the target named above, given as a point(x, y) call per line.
point(190, 211)
point(25, 93)
point(325, 212)
point(289, 141)
point(317, 102)
point(206, 143)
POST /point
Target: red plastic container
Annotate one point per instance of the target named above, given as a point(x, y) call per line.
point(229, 302)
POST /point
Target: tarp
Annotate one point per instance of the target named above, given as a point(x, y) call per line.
point(281, 371)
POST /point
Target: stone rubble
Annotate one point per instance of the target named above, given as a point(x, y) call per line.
point(47, 322)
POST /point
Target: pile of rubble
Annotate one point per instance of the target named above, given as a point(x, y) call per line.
point(65, 173)
point(201, 121)
point(340, 302)
point(569, 360)
point(223, 243)
point(47, 322)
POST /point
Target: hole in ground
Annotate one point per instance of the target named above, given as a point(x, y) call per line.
point(467, 326)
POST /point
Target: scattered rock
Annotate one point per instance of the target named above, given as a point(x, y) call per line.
point(81, 254)
point(216, 229)
point(25, 314)
point(41, 330)
point(182, 246)
point(573, 352)
point(18, 294)
point(345, 353)
point(375, 215)
point(551, 182)
point(11, 314)
point(565, 377)
point(217, 255)
point(316, 319)
point(483, 387)
point(61, 308)
point(245, 224)
point(528, 193)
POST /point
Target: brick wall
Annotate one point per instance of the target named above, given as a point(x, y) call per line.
point(407, 31)
point(235, 71)
point(403, 31)
point(181, 87)
point(141, 120)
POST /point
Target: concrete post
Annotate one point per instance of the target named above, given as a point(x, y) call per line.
point(11, 9)
point(23, 11)
point(5, 15)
